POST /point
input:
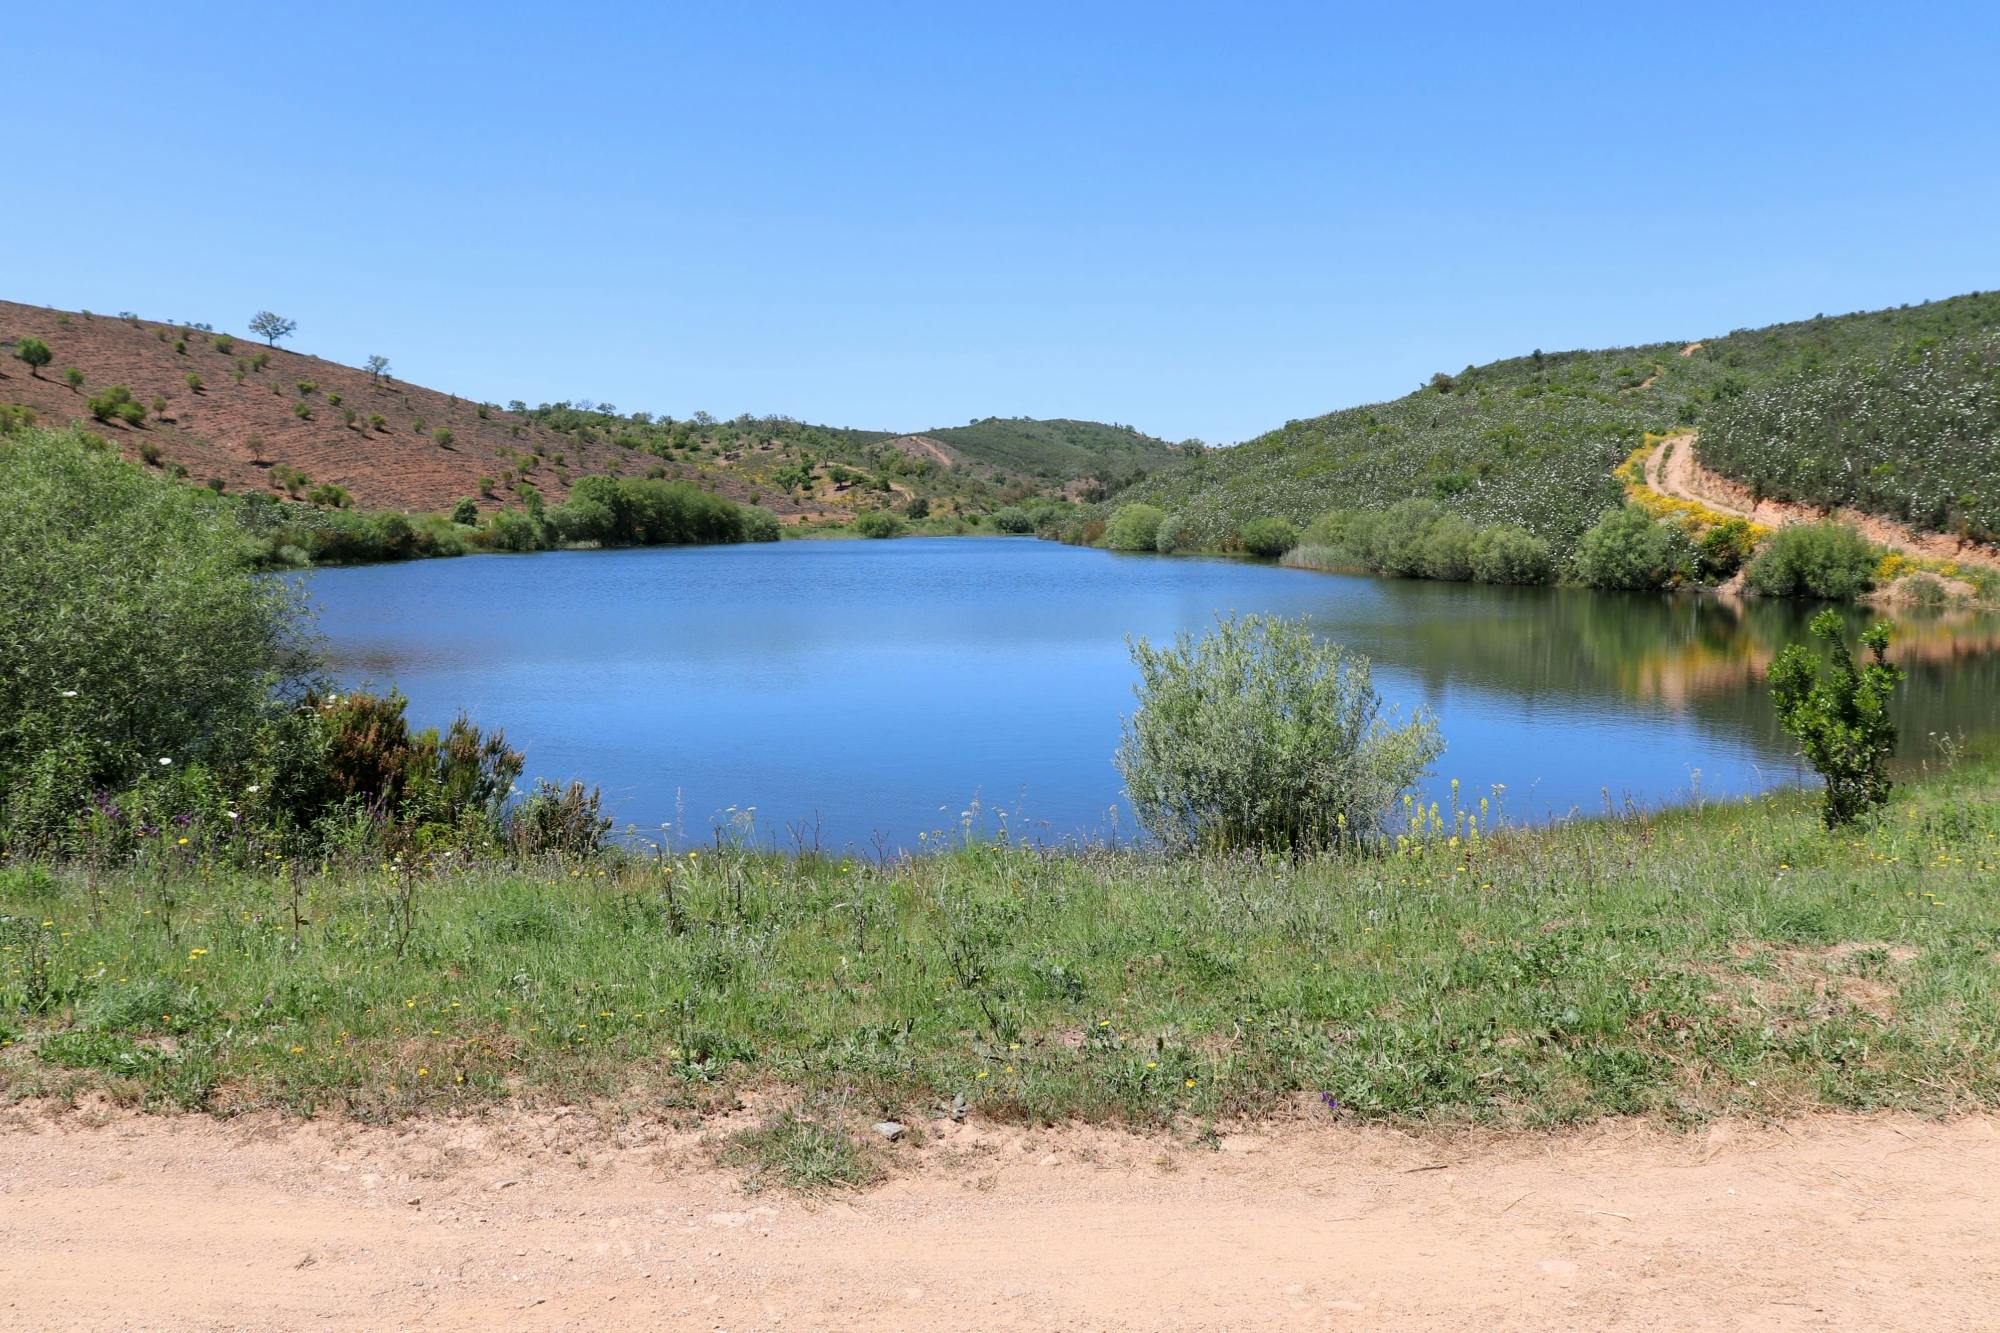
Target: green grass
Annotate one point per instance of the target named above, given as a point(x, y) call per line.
point(1730, 959)
point(1532, 441)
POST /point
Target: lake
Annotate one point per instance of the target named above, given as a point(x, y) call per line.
point(863, 693)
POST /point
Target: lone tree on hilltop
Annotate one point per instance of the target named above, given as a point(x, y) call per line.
point(271, 326)
point(35, 353)
point(377, 367)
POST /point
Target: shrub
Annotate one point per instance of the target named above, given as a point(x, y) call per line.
point(224, 344)
point(1174, 535)
point(73, 377)
point(333, 400)
point(761, 525)
point(15, 416)
point(303, 411)
point(159, 407)
point(182, 647)
point(1627, 549)
point(1507, 554)
point(376, 421)
point(1722, 549)
point(259, 361)
point(1840, 716)
point(1134, 527)
point(1825, 559)
point(117, 404)
point(443, 436)
point(1265, 537)
point(466, 511)
point(34, 353)
point(514, 531)
point(180, 346)
point(878, 523)
point(1012, 518)
point(918, 507)
point(559, 821)
point(1260, 736)
point(329, 495)
point(149, 453)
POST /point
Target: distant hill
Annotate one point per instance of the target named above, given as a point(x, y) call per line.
point(1056, 450)
point(257, 418)
point(1533, 440)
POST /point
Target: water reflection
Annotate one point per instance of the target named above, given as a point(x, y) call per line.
point(868, 684)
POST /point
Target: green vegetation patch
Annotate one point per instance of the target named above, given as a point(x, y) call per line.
point(1731, 959)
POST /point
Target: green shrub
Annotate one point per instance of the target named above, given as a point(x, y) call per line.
point(761, 525)
point(1722, 549)
point(1840, 716)
point(149, 453)
point(330, 496)
point(878, 523)
point(73, 377)
point(182, 646)
point(1012, 518)
point(1627, 549)
point(557, 821)
point(1260, 736)
point(116, 404)
point(34, 353)
point(1268, 538)
point(512, 530)
point(224, 343)
point(1134, 527)
point(1507, 554)
point(303, 411)
point(443, 436)
point(1825, 559)
point(466, 511)
point(918, 507)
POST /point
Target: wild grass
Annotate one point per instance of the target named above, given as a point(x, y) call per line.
point(1734, 958)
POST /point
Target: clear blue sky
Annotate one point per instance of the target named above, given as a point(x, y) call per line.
point(1201, 220)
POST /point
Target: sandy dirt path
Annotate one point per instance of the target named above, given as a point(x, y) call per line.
point(552, 1223)
point(1674, 469)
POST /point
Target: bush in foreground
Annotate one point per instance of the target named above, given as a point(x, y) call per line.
point(1258, 735)
point(1840, 715)
point(132, 631)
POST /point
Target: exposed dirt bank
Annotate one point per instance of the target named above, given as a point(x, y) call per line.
point(550, 1222)
point(1674, 469)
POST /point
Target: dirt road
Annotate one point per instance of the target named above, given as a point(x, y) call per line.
point(557, 1223)
point(1674, 469)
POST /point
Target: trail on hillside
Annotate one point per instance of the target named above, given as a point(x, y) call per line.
point(550, 1221)
point(1673, 469)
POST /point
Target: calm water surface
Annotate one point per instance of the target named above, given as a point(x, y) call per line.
point(881, 688)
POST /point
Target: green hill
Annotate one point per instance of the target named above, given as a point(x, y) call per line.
point(1913, 435)
point(1533, 440)
point(1059, 449)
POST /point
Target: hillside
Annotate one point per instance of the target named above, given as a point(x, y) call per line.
point(1056, 450)
point(227, 410)
point(1532, 440)
point(261, 416)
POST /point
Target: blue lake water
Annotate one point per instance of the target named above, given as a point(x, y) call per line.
point(874, 690)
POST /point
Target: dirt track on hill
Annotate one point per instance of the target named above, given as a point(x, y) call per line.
point(551, 1222)
point(1673, 469)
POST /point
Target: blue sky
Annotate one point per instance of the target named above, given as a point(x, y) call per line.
point(1200, 220)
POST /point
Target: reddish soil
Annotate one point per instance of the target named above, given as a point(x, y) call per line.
point(210, 431)
point(111, 1220)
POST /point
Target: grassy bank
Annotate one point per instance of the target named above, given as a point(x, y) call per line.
point(1734, 958)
